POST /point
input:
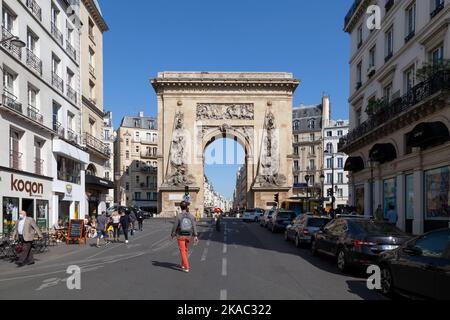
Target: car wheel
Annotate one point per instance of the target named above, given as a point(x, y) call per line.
point(387, 283)
point(341, 260)
point(314, 247)
point(286, 237)
point(297, 241)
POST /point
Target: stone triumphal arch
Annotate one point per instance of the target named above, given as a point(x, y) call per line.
point(194, 108)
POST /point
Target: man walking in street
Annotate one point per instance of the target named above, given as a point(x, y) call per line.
point(140, 219)
point(184, 229)
point(102, 221)
point(25, 231)
point(125, 225)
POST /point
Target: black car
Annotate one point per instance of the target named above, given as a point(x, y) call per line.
point(357, 242)
point(280, 220)
point(419, 268)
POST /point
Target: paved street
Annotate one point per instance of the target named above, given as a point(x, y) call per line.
point(244, 261)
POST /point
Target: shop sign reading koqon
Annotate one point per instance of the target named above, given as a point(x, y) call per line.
point(30, 187)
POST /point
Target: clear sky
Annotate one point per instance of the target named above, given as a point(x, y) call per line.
point(299, 36)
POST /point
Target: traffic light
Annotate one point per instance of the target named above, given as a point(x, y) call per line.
point(186, 190)
point(277, 198)
point(330, 192)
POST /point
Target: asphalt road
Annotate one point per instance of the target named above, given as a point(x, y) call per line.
point(242, 262)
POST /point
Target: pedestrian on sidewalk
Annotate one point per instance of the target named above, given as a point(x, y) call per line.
point(24, 232)
point(125, 225)
point(392, 215)
point(184, 229)
point(140, 220)
point(115, 217)
point(102, 221)
point(133, 219)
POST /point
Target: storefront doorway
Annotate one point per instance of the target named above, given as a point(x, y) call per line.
point(64, 210)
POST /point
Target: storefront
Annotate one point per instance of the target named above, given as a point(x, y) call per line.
point(437, 198)
point(19, 192)
point(67, 200)
point(97, 193)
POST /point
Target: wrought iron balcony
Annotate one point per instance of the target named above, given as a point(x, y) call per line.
point(15, 51)
point(96, 144)
point(57, 82)
point(59, 129)
point(72, 94)
point(15, 160)
point(71, 50)
point(57, 34)
point(9, 100)
point(38, 166)
point(34, 8)
point(440, 81)
point(72, 136)
point(34, 62)
point(33, 114)
point(148, 154)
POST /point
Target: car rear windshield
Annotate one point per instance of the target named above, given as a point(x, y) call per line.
point(317, 222)
point(286, 215)
point(374, 227)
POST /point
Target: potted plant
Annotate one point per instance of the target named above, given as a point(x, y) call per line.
point(428, 69)
point(374, 106)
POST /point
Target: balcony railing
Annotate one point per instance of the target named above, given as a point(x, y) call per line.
point(9, 100)
point(72, 94)
point(15, 51)
point(57, 82)
point(38, 166)
point(15, 160)
point(59, 129)
point(71, 50)
point(57, 34)
point(92, 70)
point(96, 144)
point(146, 154)
point(33, 114)
point(35, 9)
point(34, 62)
point(435, 83)
point(72, 136)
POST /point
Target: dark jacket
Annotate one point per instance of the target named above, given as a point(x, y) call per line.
point(176, 225)
point(125, 222)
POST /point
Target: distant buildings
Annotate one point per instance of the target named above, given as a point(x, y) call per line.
point(240, 191)
point(136, 156)
point(213, 199)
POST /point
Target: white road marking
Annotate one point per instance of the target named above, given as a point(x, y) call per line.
point(224, 267)
point(225, 248)
point(208, 243)
point(223, 295)
point(205, 253)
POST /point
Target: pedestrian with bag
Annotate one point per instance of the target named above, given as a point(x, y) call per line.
point(115, 219)
point(102, 221)
point(140, 220)
point(24, 232)
point(184, 229)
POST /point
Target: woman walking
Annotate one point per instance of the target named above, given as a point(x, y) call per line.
point(115, 217)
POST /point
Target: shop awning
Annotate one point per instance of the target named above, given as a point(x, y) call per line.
point(99, 183)
point(354, 164)
point(428, 133)
point(383, 153)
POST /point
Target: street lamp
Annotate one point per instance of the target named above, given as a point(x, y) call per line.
point(307, 191)
point(322, 181)
point(15, 41)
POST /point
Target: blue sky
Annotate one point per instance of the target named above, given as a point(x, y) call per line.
point(298, 36)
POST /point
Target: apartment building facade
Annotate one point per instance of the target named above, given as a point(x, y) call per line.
point(42, 171)
point(98, 185)
point(399, 112)
point(334, 161)
point(109, 137)
point(307, 124)
point(240, 192)
point(136, 162)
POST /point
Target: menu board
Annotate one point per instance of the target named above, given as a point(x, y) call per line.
point(76, 231)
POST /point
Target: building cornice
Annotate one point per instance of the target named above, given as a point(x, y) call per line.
point(95, 13)
point(92, 107)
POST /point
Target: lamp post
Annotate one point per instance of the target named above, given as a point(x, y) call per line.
point(322, 198)
point(307, 192)
point(371, 164)
point(333, 155)
point(15, 41)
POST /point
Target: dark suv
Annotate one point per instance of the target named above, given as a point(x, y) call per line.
point(357, 242)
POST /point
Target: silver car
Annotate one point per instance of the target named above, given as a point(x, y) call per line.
point(303, 229)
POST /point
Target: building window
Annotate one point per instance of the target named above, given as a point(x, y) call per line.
point(329, 163)
point(372, 57)
point(409, 78)
point(138, 179)
point(389, 43)
point(137, 196)
point(33, 97)
point(311, 124)
point(296, 151)
point(437, 55)
point(91, 29)
point(8, 19)
point(296, 165)
point(312, 164)
point(296, 180)
point(387, 93)
point(32, 41)
point(358, 117)
point(360, 36)
point(312, 150)
point(127, 186)
point(296, 138)
point(436, 7)
point(410, 21)
point(409, 198)
point(137, 149)
point(359, 75)
point(127, 155)
point(296, 125)
point(329, 133)
point(340, 133)
point(340, 162)
point(149, 196)
point(312, 137)
point(68, 170)
point(329, 148)
point(127, 142)
point(340, 178)
point(437, 194)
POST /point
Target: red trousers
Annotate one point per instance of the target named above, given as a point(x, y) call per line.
point(183, 244)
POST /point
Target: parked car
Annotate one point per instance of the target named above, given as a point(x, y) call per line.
point(266, 217)
point(357, 242)
point(251, 215)
point(280, 220)
point(419, 268)
point(304, 228)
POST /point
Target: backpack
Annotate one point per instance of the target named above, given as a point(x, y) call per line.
point(185, 225)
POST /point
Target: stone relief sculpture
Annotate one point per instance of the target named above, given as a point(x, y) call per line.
point(225, 112)
point(269, 175)
point(178, 169)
